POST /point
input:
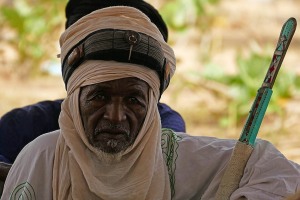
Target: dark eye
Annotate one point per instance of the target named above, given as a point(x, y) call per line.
point(99, 96)
point(133, 100)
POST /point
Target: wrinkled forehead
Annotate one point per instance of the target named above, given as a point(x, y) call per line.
point(121, 86)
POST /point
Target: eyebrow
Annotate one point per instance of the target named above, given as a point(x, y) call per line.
point(131, 85)
point(136, 86)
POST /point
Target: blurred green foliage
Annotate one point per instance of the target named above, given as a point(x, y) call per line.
point(183, 14)
point(32, 26)
point(240, 88)
point(244, 84)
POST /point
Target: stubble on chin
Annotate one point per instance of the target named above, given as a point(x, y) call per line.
point(108, 152)
point(108, 158)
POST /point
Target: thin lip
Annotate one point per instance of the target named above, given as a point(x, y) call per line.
point(111, 132)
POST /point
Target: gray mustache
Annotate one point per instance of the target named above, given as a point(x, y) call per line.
point(113, 127)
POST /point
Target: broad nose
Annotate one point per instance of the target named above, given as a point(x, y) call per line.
point(115, 111)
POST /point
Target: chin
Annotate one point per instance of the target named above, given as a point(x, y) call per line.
point(109, 157)
point(110, 150)
point(111, 146)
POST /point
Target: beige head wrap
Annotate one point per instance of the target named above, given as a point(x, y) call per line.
point(141, 173)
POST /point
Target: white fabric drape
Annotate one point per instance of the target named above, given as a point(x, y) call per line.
point(78, 172)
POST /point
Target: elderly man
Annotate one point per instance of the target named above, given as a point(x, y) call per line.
point(21, 125)
point(116, 65)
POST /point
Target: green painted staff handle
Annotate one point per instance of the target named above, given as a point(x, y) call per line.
point(256, 115)
point(263, 96)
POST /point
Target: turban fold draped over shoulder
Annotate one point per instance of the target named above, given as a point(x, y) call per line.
point(79, 172)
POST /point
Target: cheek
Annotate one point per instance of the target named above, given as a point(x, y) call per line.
point(90, 115)
point(84, 112)
point(140, 114)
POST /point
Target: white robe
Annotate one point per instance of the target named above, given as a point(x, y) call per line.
point(200, 162)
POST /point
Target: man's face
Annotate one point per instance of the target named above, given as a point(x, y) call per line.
point(113, 113)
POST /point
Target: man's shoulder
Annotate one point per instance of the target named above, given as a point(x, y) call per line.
point(48, 139)
point(41, 148)
point(43, 142)
point(199, 140)
point(32, 167)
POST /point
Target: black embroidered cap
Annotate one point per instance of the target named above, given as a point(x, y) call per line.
point(122, 46)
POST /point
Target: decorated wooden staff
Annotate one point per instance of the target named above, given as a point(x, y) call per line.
point(245, 145)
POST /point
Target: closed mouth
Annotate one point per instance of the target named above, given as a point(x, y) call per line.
point(111, 133)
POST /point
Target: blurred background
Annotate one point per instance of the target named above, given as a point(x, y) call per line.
point(223, 49)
